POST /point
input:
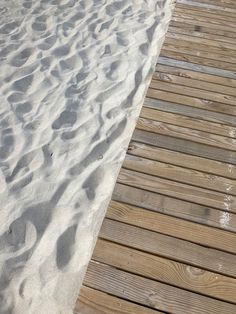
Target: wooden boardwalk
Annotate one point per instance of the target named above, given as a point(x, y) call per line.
point(168, 242)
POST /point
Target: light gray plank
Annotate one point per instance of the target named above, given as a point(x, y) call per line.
point(197, 67)
point(190, 111)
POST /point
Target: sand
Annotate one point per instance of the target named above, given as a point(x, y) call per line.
point(73, 79)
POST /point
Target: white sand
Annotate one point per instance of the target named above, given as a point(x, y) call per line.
point(73, 78)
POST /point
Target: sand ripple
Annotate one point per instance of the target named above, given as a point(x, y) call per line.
point(73, 76)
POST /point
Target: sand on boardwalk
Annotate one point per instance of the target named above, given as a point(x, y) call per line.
point(73, 78)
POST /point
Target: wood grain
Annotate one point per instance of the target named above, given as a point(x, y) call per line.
point(201, 40)
point(167, 271)
point(222, 3)
point(187, 78)
point(197, 113)
point(216, 53)
point(183, 160)
point(169, 247)
point(197, 67)
point(193, 6)
point(184, 146)
point(191, 31)
point(191, 101)
point(174, 207)
point(197, 11)
point(198, 57)
point(186, 134)
point(152, 293)
point(178, 190)
point(92, 301)
point(201, 20)
point(172, 226)
point(188, 49)
point(164, 82)
point(207, 6)
point(180, 174)
point(188, 25)
point(187, 122)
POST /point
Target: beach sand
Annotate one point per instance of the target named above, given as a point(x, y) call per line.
point(73, 79)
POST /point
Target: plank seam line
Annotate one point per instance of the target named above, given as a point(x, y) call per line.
point(174, 236)
point(160, 281)
point(162, 255)
point(118, 297)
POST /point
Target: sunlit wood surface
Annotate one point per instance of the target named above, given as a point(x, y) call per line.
point(168, 242)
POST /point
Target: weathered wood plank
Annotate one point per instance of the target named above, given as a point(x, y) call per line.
point(92, 301)
point(197, 67)
point(202, 21)
point(172, 226)
point(221, 3)
point(188, 122)
point(178, 190)
point(183, 160)
point(178, 208)
point(152, 293)
point(212, 7)
point(226, 61)
point(198, 11)
point(184, 146)
point(191, 101)
point(202, 28)
point(224, 48)
point(180, 174)
point(164, 82)
point(197, 80)
point(169, 247)
point(196, 57)
point(201, 137)
point(179, 29)
point(197, 113)
point(167, 271)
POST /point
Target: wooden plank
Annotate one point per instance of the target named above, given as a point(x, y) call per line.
point(183, 160)
point(180, 174)
point(193, 112)
point(178, 29)
point(165, 83)
point(169, 247)
point(93, 301)
point(167, 271)
point(197, 26)
point(191, 49)
point(197, 67)
point(198, 80)
point(190, 3)
point(197, 11)
point(152, 293)
point(191, 101)
point(196, 57)
point(178, 190)
point(172, 226)
point(187, 134)
point(184, 146)
point(188, 122)
point(210, 22)
point(175, 207)
point(204, 44)
point(221, 3)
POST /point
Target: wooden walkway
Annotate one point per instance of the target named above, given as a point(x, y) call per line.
point(168, 243)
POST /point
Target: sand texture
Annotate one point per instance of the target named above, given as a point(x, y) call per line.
point(73, 78)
